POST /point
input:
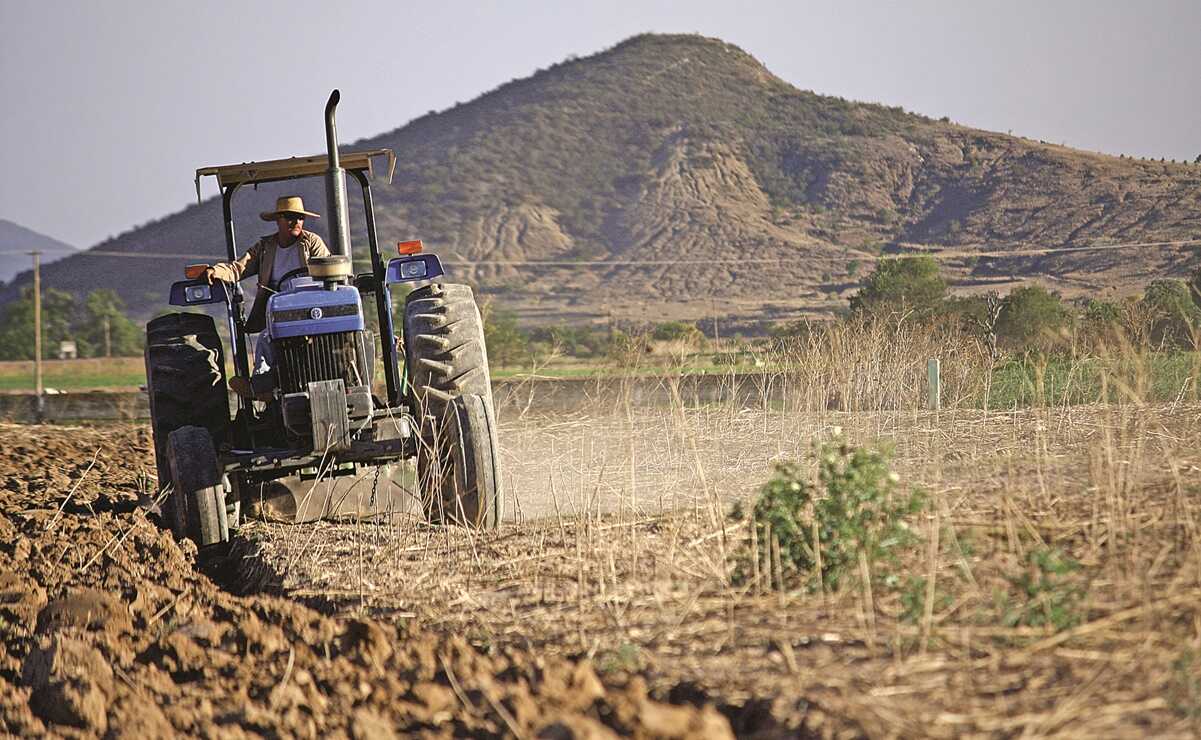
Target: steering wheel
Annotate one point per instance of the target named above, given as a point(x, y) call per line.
point(290, 274)
point(298, 272)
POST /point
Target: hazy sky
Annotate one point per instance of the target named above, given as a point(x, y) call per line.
point(109, 107)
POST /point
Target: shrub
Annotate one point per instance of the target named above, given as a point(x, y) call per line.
point(854, 512)
point(1173, 315)
point(506, 343)
point(678, 331)
point(1046, 593)
point(1032, 318)
point(1101, 322)
point(900, 287)
point(627, 349)
point(576, 341)
point(913, 599)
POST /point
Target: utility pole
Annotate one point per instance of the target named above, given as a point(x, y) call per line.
point(37, 331)
point(108, 341)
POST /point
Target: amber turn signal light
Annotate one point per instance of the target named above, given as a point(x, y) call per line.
point(194, 272)
point(412, 247)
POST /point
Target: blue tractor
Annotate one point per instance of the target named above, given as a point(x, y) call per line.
point(332, 441)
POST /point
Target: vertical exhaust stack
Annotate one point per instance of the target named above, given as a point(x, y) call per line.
point(335, 185)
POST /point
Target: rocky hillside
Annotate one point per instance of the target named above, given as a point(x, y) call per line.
point(739, 194)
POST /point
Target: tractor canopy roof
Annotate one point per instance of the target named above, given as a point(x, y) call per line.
point(292, 168)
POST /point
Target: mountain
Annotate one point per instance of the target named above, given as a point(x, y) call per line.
point(735, 194)
point(16, 240)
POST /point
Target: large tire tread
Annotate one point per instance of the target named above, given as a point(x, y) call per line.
point(444, 345)
point(451, 390)
point(198, 493)
point(460, 467)
point(185, 383)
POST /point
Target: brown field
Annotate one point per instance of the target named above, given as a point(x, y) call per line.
point(619, 560)
point(624, 557)
point(1054, 588)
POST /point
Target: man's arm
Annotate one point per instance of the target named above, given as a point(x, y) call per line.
point(318, 249)
point(232, 272)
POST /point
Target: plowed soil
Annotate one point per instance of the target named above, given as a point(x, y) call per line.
point(611, 609)
point(108, 629)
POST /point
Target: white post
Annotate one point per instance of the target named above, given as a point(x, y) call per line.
point(933, 385)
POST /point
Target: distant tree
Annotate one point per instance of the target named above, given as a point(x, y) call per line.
point(1197, 160)
point(506, 343)
point(679, 332)
point(1103, 312)
point(978, 314)
point(902, 286)
point(125, 338)
point(1101, 321)
point(16, 326)
point(575, 341)
point(1031, 317)
point(1173, 314)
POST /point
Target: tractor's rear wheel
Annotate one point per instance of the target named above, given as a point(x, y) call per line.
point(185, 381)
point(458, 467)
point(198, 509)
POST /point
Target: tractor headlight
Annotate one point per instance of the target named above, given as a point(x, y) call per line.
point(196, 293)
point(414, 270)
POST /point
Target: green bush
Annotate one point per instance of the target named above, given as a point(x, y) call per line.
point(855, 511)
point(913, 599)
point(1046, 593)
point(507, 344)
point(575, 341)
point(902, 286)
point(1173, 314)
point(678, 331)
point(627, 349)
point(1032, 319)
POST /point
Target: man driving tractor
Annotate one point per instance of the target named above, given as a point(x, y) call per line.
point(274, 257)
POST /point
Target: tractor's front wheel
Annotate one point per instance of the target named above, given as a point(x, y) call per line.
point(458, 465)
point(445, 355)
point(450, 389)
point(197, 509)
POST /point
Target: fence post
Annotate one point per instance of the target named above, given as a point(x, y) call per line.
point(933, 385)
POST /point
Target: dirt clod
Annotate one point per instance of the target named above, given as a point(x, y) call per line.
point(86, 609)
point(71, 682)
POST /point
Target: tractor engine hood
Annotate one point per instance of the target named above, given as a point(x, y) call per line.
point(314, 310)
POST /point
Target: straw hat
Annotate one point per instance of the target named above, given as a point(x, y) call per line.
point(287, 204)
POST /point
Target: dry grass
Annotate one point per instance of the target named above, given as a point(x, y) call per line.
point(622, 551)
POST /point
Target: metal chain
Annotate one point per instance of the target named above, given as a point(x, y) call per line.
point(374, 486)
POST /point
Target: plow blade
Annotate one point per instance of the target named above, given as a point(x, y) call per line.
point(294, 500)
